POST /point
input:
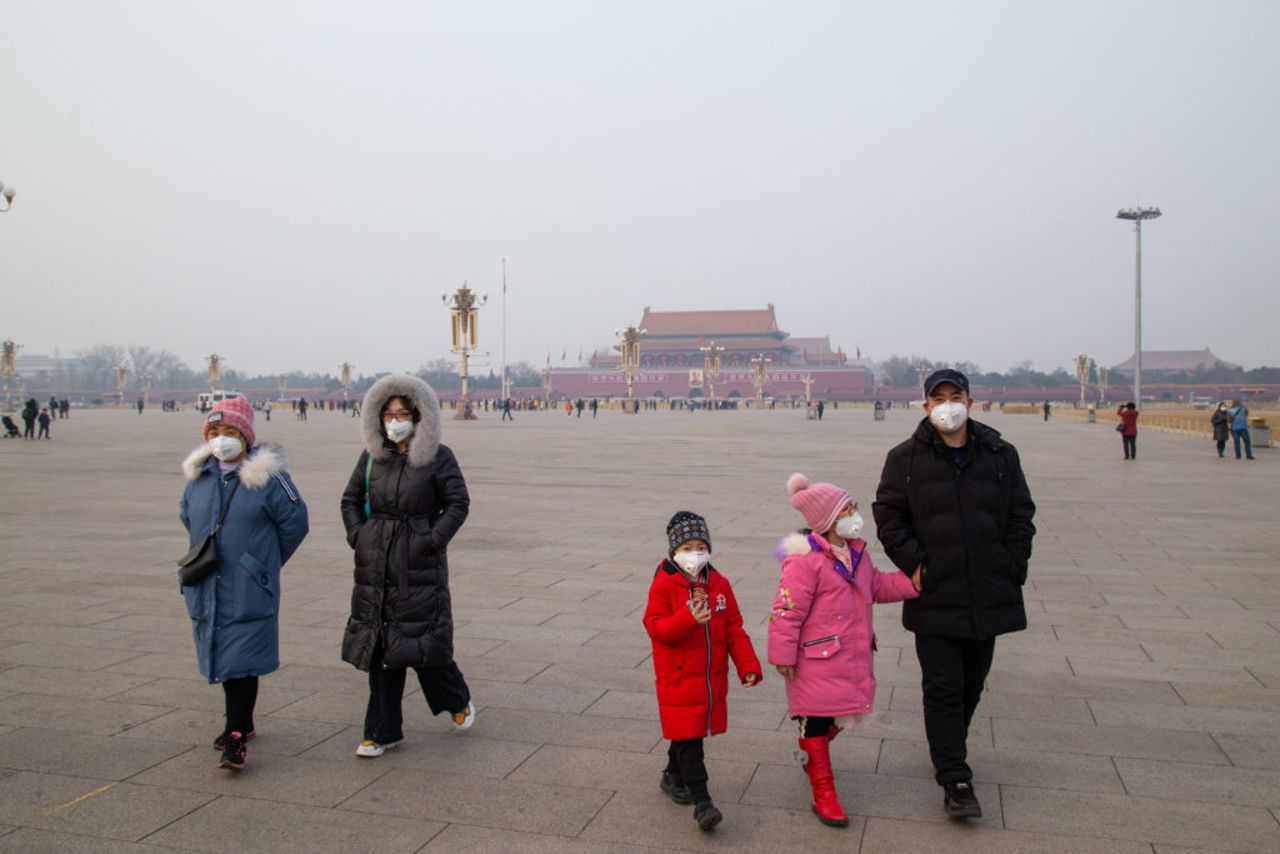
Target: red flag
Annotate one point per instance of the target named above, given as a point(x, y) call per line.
point(548, 357)
point(859, 351)
point(564, 354)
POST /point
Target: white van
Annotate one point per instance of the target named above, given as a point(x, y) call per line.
point(206, 399)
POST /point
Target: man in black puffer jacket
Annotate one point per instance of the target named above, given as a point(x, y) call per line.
point(404, 502)
point(954, 503)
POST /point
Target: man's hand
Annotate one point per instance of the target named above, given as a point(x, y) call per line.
point(916, 577)
point(788, 671)
point(751, 680)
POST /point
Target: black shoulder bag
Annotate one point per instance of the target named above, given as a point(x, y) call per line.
point(196, 564)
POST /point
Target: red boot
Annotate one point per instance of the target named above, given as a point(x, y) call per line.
point(825, 802)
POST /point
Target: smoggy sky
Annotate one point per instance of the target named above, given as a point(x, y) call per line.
point(293, 184)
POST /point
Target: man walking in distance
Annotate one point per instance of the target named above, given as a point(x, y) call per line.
point(953, 502)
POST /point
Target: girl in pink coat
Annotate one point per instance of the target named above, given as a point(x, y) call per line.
point(820, 634)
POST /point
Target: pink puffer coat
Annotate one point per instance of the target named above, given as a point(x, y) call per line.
point(821, 624)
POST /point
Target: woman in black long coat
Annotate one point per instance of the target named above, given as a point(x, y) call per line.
point(405, 501)
point(1221, 422)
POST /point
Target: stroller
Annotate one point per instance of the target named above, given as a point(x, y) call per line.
point(11, 430)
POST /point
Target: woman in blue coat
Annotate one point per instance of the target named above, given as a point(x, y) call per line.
point(235, 610)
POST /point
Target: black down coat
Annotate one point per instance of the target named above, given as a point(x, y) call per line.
point(418, 500)
point(968, 523)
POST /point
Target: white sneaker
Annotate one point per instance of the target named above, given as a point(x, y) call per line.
point(370, 749)
point(465, 718)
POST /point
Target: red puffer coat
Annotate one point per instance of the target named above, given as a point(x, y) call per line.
point(691, 661)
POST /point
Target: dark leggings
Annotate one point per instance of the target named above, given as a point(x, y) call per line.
point(241, 696)
point(814, 727)
point(685, 761)
point(1130, 447)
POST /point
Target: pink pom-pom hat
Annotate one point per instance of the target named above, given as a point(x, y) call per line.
point(819, 503)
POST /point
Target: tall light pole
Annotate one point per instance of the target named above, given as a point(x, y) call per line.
point(9, 367)
point(761, 365)
point(630, 348)
point(1137, 215)
point(1082, 374)
point(711, 367)
point(464, 307)
point(7, 193)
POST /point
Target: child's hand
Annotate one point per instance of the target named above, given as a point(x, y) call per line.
point(787, 670)
point(701, 613)
point(915, 577)
point(751, 679)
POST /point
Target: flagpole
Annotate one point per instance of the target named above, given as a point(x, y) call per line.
point(505, 393)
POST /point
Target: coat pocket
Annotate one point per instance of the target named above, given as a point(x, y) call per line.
point(821, 647)
point(257, 589)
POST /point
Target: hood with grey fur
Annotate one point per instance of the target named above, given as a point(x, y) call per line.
point(425, 441)
point(266, 460)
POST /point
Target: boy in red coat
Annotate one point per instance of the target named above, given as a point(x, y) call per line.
point(695, 625)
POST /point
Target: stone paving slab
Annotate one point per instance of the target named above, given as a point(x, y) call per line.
point(1143, 699)
point(241, 824)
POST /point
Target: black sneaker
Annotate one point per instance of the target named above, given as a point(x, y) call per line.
point(959, 801)
point(675, 789)
point(220, 743)
point(706, 815)
point(233, 754)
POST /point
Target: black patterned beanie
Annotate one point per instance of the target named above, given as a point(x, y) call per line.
point(686, 526)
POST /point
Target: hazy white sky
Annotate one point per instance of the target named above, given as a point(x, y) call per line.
point(294, 183)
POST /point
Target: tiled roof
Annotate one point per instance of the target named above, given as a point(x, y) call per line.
point(1174, 360)
point(811, 346)
point(650, 345)
point(709, 324)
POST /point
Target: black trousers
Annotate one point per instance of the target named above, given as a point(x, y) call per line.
point(1130, 447)
point(685, 760)
point(444, 687)
point(813, 727)
point(954, 671)
point(241, 696)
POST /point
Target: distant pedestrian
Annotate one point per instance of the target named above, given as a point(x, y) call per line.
point(141, 405)
point(53, 407)
point(64, 408)
point(44, 419)
point(266, 409)
point(235, 609)
point(405, 501)
point(822, 407)
point(1128, 428)
point(506, 410)
point(30, 410)
point(1221, 422)
point(595, 407)
point(1047, 410)
point(1240, 428)
point(695, 627)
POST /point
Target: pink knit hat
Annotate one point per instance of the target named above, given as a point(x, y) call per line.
point(235, 412)
point(819, 503)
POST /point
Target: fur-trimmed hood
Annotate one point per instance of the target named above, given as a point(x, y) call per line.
point(800, 543)
point(266, 460)
point(425, 441)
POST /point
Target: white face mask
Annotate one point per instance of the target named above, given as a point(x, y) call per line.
point(949, 417)
point(226, 448)
point(691, 563)
point(398, 431)
point(850, 527)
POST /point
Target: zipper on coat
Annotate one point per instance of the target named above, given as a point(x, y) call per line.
point(817, 641)
point(711, 699)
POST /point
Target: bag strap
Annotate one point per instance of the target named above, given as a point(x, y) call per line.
point(368, 469)
point(223, 515)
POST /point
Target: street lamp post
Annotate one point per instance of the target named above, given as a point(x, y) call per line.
point(7, 193)
point(464, 307)
point(345, 378)
point(122, 382)
point(215, 371)
point(711, 367)
point(807, 379)
point(1104, 374)
point(630, 348)
point(1137, 215)
point(9, 367)
point(1082, 374)
point(761, 365)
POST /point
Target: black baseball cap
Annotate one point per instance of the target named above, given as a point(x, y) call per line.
point(945, 375)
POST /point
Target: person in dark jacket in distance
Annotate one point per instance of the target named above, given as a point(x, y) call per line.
point(1221, 422)
point(405, 501)
point(235, 611)
point(954, 504)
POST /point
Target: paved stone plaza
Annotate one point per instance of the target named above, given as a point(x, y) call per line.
point(1140, 712)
